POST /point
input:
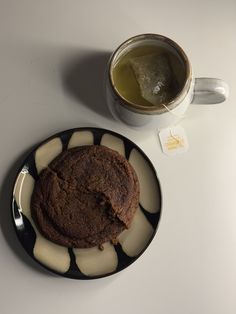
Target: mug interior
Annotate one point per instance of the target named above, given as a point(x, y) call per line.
point(180, 67)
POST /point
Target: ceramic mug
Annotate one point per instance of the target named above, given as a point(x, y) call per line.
point(194, 90)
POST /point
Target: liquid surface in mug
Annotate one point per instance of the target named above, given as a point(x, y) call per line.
point(149, 75)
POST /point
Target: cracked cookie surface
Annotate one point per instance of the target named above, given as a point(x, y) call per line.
point(86, 196)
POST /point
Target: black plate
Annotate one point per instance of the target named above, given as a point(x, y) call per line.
point(87, 263)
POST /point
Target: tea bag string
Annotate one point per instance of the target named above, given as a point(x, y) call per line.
point(179, 116)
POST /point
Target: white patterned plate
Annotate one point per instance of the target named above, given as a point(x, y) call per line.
point(87, 263)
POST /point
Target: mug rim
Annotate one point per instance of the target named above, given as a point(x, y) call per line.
point(155, 109)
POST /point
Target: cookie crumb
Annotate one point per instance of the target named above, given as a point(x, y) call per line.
point(114, 241)
point(101, 247)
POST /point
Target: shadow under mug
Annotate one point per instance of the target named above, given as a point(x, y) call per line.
point(194, 90)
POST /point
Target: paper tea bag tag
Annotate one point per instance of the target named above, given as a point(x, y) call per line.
point(173, 140)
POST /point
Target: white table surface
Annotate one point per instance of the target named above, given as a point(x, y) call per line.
point(46, 47)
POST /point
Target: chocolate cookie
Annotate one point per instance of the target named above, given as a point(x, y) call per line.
point(86, 196)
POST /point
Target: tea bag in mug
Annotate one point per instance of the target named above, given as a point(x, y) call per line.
point(155, 77)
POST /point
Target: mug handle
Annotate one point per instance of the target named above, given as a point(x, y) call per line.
point(209, 91)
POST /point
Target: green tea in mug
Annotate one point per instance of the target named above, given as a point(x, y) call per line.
point(149, 75)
